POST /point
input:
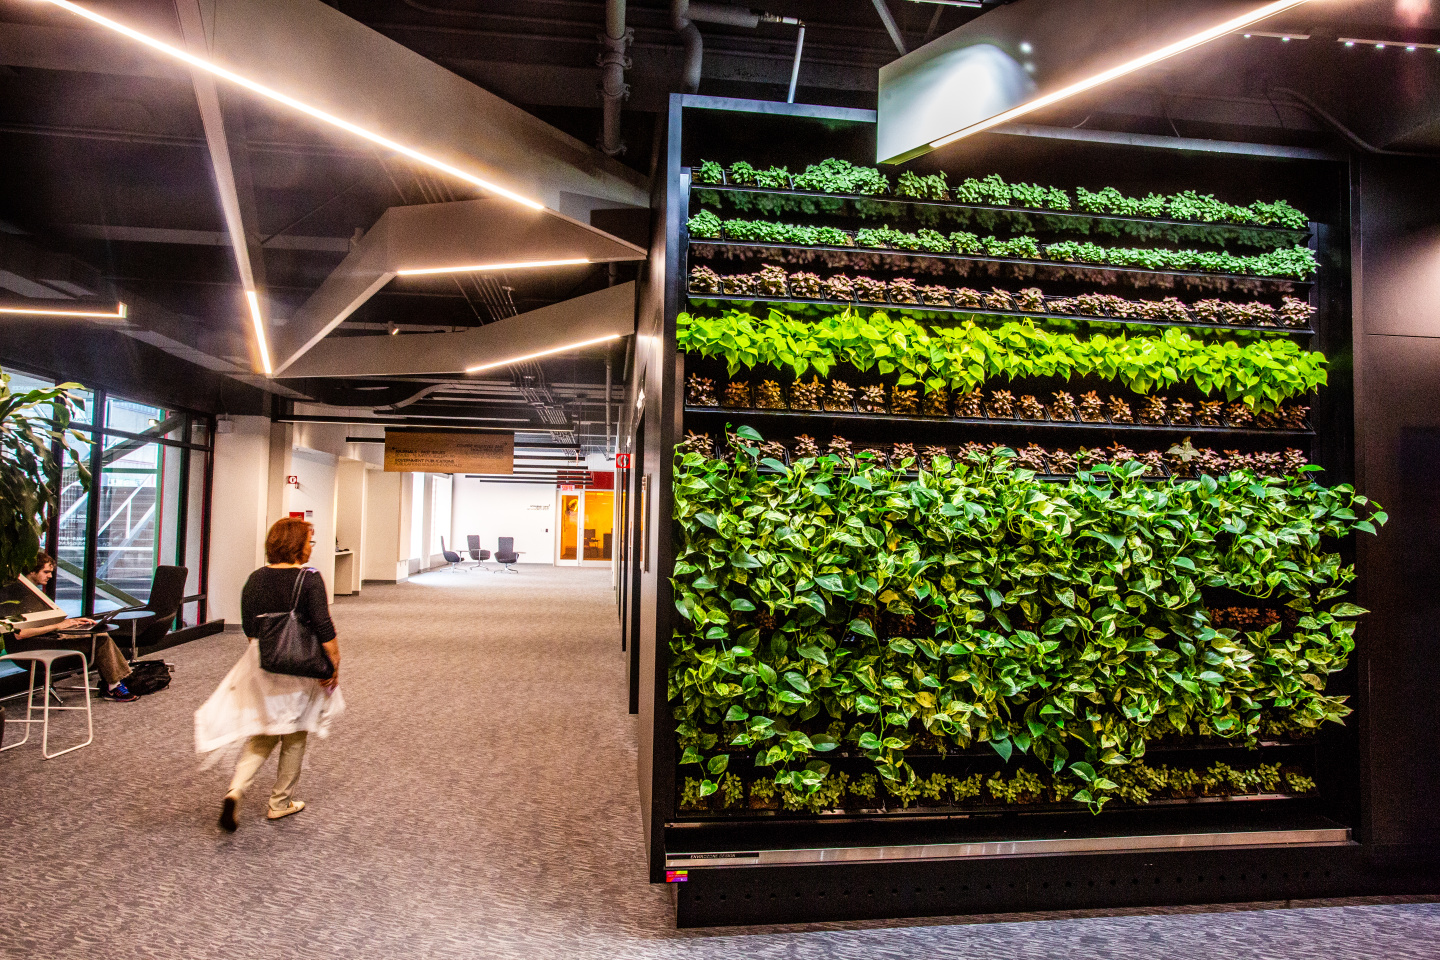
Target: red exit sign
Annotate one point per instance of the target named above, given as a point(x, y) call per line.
point(622, 461)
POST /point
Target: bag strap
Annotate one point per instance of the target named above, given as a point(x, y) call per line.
point(299, 582)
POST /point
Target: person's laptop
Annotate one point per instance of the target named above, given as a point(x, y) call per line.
point(23, 603)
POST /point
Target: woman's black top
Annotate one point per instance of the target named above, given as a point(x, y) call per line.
point(271, 590)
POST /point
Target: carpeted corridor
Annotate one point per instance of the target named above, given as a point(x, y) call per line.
point(477, 800)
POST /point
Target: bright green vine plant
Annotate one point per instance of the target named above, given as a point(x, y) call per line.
point(1260, 374)
point(1065, 621)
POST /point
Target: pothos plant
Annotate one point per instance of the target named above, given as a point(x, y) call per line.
point(1259, 374)
point(1065, 621)
point(33, 424)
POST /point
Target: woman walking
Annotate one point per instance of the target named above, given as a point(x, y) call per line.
point(263, 708)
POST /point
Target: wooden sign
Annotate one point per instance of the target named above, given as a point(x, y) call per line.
point(449, 452)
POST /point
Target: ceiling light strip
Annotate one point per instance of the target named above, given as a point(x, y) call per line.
point(481, 267)
point(305, 108)
point(1382, 44)
point(119, 313)
point(261, 343)
point(542, 353)
point(1104, 77)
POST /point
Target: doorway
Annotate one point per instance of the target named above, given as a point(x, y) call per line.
point(586, 532)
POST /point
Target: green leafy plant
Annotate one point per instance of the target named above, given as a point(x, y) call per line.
point(842, 176)
point(1259, 374)
point(708, 172)
point(1061, 620)
point(33, 424)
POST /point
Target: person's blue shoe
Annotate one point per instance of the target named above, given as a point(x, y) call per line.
point(120, 693)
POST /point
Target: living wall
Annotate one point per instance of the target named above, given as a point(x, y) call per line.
point(834, 604)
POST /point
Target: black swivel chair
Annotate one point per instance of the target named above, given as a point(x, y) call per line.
point(476, 554)
point(451, 557)
point(505, 554)
point(167, 590)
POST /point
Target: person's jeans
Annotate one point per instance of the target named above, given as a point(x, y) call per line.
point(256, 752)
point(108, 658)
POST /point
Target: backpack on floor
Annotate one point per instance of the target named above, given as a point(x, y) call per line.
point(147, 677)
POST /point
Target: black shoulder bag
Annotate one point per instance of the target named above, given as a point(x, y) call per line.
point(289, 646)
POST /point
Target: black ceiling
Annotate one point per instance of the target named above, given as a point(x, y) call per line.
point(104, 160)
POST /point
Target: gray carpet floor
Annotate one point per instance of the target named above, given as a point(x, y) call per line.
point(477, 800)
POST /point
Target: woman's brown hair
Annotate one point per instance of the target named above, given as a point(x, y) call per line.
point(288, 541)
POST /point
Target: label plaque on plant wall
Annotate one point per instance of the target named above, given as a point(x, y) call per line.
point(444, 451)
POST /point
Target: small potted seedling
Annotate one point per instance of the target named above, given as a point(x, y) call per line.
point(1092, 409)
point(998, 299)
point(1062, 407)
point(695, 442)
point(1118, 453)
point(1031, 457)
point(904, 403)
point(705, 280)
point(1154, 462)
point(872, 399)
point(1295, 313)
point(1152, 411)
point(1267, 419)
point(1293, 416)
point(708, 172)
point(700, 391)
point(1207, 461)
point(970, 406)
point(840, 447)
point(1209, 311)
point(935, 296)
point(868, 290)
point(806, 448)
point(1001, 405)
point(769, 396)
point(904, 291)
point(740, 285)
point(1062, 463)
point(806, 286)
point(1239, 415)
point(1181, 413)
point(931, 453)
point(965, 297)
point(772, 281)
point(1030, 300)
point(839, 287)
point(1119, 410)
point(737, 394)
point(1208, 413)
point(840, 398)
point(974, 452)
point(1030, 408)
point(901, 452)
point(936, 403)
point(1292, 461)
point(775, 450)
point(871, 455)
point(1180, 459)
point(806, 395)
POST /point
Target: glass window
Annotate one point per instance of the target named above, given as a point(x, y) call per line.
point(74, 515)
point(139, 418)
point(599, 525)
point(138, 501)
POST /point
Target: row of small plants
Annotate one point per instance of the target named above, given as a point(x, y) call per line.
point(842, 177)
point(1178, 460)
point(837, 396)
point(1064, 620)
point(1293, 262)
point(772, 281)
point(1259, 374)
point(1138, 783)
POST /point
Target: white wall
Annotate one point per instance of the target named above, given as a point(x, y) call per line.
point(382, 558)
point(238, 512)
point(315, 495)
point(412, 504)
point(524, 511)
point(350, 483)
point(441, 493)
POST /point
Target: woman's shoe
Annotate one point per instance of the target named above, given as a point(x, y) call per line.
point(120, 693)
point(295, 807)
point(227, 813)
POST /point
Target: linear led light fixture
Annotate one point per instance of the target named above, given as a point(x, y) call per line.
point(1105, 76)
point(482, 267)
point(1409, 45)
point(305, 108)
point(119, 313)
point(542, 353)
point(259, 331)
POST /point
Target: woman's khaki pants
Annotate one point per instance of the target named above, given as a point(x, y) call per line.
point(256, 752)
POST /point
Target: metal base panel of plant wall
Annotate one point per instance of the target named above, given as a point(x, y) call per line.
point(1275, 815)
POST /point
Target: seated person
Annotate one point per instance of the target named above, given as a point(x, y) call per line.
point(108, 658)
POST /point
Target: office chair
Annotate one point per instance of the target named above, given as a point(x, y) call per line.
point(505, 554)
point(167, 590)
point(451, 557)
point(476, 554)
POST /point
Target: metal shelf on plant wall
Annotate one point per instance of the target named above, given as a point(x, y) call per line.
point(882, 419)
point(704, 247)
point(1229, 230)
point(710, 299)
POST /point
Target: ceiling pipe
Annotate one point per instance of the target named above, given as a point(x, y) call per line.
point(891, 27)
point(683, 13)
point(1314, 109)
point(795, 68)
point(613, 62)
